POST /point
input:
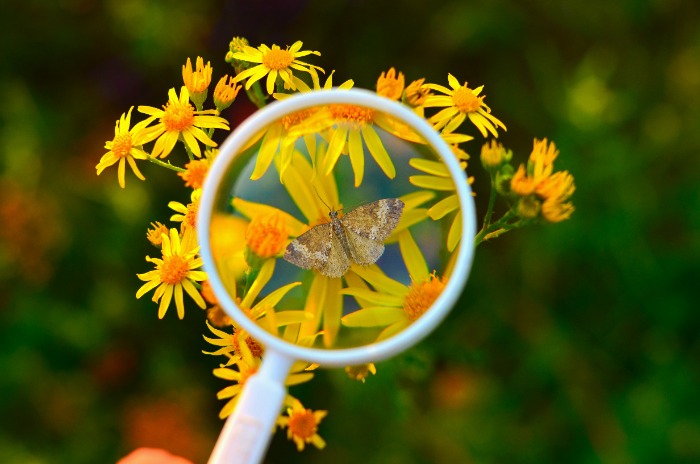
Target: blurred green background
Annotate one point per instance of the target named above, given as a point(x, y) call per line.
point(576, 342)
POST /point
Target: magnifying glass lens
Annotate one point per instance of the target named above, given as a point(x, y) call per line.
point(350, 223)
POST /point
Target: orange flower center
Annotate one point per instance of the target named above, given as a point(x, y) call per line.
point(422, 295)
point(255, 349)
point(121, 145)
point(277, 59)
point(174, 269)
point(352, 113)
point(295, 118)
point(465, 100)
point(266, 235)
point(178, 117)
point(303, 424)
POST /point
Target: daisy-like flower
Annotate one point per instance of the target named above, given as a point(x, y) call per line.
point(274, 62)
point(361, 372)
point(178, 119)
point(175, 271)
point(225, 92)
point(302, 425)
point(267, 235)
point(186, 215)
point(197, 81)
point(155, 233)
point(390, 85)
point(196, 170)
point(393, 306)
point(125, 147)
point(437, 177)
point(279, 138)
point(541, 189)
point(461, 102)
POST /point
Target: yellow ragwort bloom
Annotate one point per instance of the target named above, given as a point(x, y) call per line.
point(267, 235)
point(155, 233)
point(361, 372)
point(179, 119)
point(302, 425)
point(173, 273)
point(187, 215)
point(225, 92)
point(416, 94)
point(390, 85)
point(125, 147)
point(537, 182)
point(196, 171)
point(460, 103)
point(197, 81)
point(274, 62)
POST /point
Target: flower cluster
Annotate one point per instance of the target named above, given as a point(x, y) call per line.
point(318, 155)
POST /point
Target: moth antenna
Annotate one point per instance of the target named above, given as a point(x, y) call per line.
point(319, 197)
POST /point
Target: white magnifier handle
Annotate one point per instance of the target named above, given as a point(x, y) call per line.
point(248, 430)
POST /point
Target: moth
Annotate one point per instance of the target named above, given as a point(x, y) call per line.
point(356, 237)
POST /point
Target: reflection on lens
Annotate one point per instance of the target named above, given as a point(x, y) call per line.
point(352, 222)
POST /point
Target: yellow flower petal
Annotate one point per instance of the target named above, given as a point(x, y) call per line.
point(412, 257)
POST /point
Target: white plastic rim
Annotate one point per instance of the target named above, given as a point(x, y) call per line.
point(332, 357)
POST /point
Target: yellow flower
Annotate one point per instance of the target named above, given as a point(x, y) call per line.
point(179, 119)
point(541, 189)
point(267, 235)
point(393, 305)
point(390, 85)
point(461, 102)
point(230, 343)
point(187, 215)
point(173, 273)
point(225, 92)
point(125, 147)
point(493, 155)
point(155, 233)
point(197, 81)
point(302, 425)
point(416, 94)
point(273, 63)
point(438, 178)
point(195, 172)
point(247, 365)
point(361, 372)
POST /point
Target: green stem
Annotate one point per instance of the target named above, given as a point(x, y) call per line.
point(165, 165)
point(255, 94)
point(492, 203)
point(502, 223)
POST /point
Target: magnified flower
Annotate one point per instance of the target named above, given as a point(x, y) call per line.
point(125, 147)
point(460, 103)
point(438, 178)
point(179, 119)
point(302, 425)
point(274, 62)
point(392, 305)
point(173, 273)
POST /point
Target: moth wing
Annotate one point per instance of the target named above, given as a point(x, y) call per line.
point(311, 249)
point(364, 251)
point(337, 263)
point(374, 220)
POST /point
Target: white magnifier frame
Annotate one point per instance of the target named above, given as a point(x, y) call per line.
point(247, 432)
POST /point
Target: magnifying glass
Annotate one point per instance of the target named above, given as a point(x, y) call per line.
point(352, 256)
